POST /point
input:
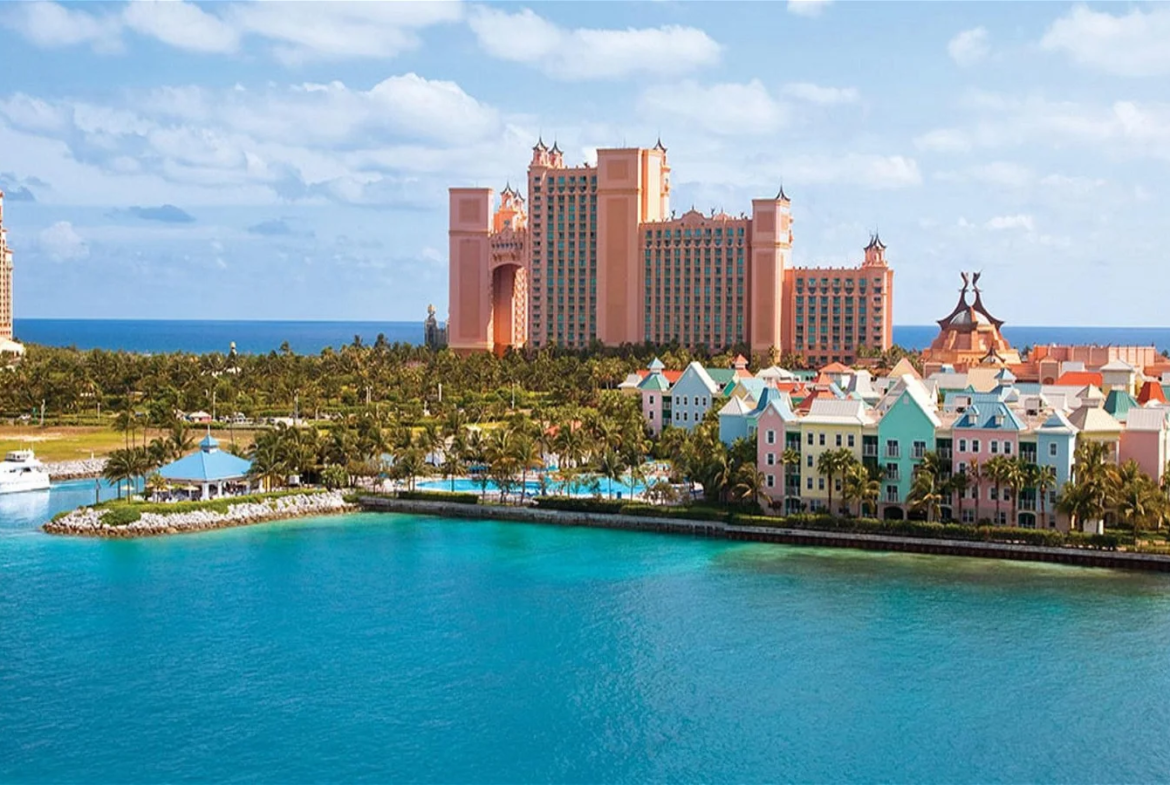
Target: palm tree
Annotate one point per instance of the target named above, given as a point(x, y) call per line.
point(1043, 479)
point(957, 486)
point(853, 486)
point(120, 466)
point(636, 473)
point(976, 474)
point(790, 458)
point(611, 466)
point(997, 470)
point(527, 453)
point(925, 495)
point(932, 465)
point(749, 484)
point(831, 463)
point(1016, 476)
point(1136, 499)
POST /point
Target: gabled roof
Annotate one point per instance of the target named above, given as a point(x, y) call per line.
point(752, 387)
point(836, 368)
point(656, 365)
point(990, 417)
point(721, 376)
point(778, 403)
point(830, 411)
point(1058, 423)
point(1118, 403)
point(1151, 392)
point(704, 376)
point(776, 372)
point(1153, 418)
point(1093, 419)
point(1117, 365)
point(916, 391)
point(1079, 379)
point(903, 368)
point(735, 407)
point(655, 381)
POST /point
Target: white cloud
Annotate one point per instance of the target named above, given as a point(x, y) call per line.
point(826, 96)
point(583, 53)
point(303, 31)
point(180, 24)
point(50, 25)
point(1130, 45)
point(297, 31)
point(1007, 222)
point(943, 140)
point(1003, 174)
point(969, 47)
point(726, 109)
point(878, 172)
point(807, 7)
point(62, 243)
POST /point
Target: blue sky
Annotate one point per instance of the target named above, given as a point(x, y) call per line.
point(290, 160)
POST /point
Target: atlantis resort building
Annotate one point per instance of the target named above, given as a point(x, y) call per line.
point(595, 254)
point(6, 342)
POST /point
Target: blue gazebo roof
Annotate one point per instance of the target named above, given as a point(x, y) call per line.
point(207, 465)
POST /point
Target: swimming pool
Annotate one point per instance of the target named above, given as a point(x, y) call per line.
point(582, 487)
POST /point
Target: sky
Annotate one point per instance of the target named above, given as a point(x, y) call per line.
point(240, 160)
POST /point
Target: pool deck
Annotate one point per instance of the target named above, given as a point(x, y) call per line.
point(808, 537)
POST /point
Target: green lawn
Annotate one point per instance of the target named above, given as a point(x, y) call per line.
point(74, 443)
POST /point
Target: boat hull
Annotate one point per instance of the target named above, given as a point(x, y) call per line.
point(37, 482)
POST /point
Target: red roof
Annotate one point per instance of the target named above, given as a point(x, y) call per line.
point(806, 405)
point(1079, 379)
point(1151, 391)
point(836, 368)
point(671, 376)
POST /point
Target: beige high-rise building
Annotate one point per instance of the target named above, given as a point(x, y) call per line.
point(5, 279)
point(596, 255)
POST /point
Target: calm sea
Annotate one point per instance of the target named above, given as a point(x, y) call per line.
point(384, 648)
point(312, 337)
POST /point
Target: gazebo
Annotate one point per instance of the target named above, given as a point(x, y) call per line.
point(206, 468)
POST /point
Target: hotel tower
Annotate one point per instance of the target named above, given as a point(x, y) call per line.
point(596, 254)
point(5, 279)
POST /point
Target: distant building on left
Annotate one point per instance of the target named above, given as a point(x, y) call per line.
point(434, 334)
point(7, 344)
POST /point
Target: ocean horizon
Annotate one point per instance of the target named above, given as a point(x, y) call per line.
point(156, 336)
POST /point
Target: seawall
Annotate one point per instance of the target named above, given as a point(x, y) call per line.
point(87, 522)
point(785, 536)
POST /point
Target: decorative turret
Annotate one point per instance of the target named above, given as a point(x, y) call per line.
point(781, 196)
point(969, 335)
point(540, 154)
point(556, 157)
point(659, 146)
point(875, 252)
point(978, 304)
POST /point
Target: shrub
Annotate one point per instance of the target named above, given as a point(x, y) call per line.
point(698, 512)
point(440, 496)
point(578, 504)
point(121, 516)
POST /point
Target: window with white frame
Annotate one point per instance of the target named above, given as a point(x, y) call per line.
point(771, 437)
point(1052, 450)
point(962, 445)
point(994, 447)
point(771, 459)
point(770, 481)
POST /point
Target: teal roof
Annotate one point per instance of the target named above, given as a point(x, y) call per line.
point(1118, 403)
point(654, 381)
point(721, 376)
point(207, 465)
point(991, 417)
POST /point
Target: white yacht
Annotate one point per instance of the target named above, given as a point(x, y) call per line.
point(21, 471)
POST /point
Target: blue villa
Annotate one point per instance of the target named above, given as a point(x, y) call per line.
point(207, 468)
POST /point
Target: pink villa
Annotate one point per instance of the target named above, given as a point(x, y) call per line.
point(596, 254)
point(5, 279)
point(984, 431)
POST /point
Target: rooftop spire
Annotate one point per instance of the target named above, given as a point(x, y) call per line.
point(539, 146)
point(780, 195)
point(659, 145)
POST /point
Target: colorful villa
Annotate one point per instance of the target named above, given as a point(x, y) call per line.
point(965, 417)
point(595, 254)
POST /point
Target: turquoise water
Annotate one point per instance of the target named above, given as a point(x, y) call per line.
point(169, 335)
point(606, 487)
point(378, 648)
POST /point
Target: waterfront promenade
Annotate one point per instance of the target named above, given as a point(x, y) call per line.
point(777, 534)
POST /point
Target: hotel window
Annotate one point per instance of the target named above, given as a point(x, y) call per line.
point(810, 439)
point(962, 445)
point(974, 445)
point(771, 437)
point(820, 483)
point(838, 440)
point(771, 461)
point(994, 447)
point(808, 461)
point(822, 439)
point(769, 481)
point(651, 400)
point(808, 483)
point(850, 441)
point(1052, 450)
point(1007, 448)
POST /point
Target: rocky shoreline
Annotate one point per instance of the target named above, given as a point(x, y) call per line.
point(87, 522)
point(75, 470)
